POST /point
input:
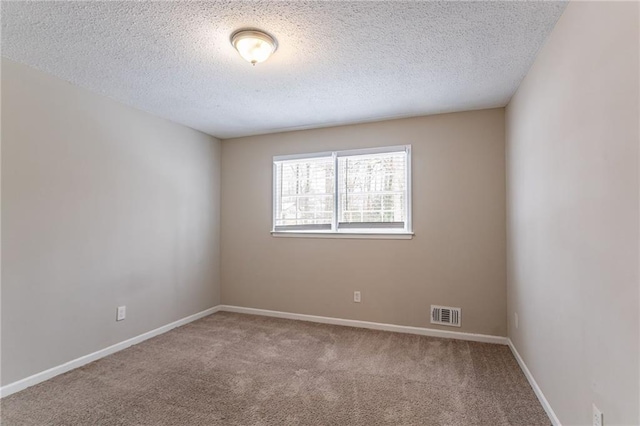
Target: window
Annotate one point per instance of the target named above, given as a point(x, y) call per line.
point(350, 192)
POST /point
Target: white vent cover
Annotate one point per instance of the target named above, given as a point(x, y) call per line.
point(445, 315)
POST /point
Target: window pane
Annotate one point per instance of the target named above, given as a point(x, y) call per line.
point(304, 192)
point(372, 188)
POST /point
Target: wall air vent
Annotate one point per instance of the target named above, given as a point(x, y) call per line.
point(445, 315)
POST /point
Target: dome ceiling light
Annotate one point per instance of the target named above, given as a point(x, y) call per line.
point(254, 45)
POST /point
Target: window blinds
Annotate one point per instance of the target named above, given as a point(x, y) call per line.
point(304, 193)
point(355, 191)
point(372, 190)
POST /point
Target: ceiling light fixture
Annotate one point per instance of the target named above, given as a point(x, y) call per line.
point(254, 45)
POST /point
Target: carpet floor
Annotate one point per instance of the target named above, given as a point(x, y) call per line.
point(233, 369)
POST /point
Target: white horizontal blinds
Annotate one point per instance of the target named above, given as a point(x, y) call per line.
point(372, 190)
point(304, 194)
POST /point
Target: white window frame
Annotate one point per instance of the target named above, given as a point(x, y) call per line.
point(335, 231)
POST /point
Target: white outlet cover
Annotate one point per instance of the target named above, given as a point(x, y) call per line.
point(598, 418)
point(356, 296)
point(121, 313)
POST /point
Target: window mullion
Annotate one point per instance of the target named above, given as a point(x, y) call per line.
point(274, 198)
point(408, 226)
point(336, 192)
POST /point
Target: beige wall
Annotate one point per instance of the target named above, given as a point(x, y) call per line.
point(572, 137)
point(457, 257)
point(102, 205)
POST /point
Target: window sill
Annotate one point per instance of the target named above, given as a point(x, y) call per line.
point(352, 235)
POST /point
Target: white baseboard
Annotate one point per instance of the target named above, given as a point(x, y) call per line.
point(485, 338)
point(79, 362)
point(411, 330)
point(543, 401)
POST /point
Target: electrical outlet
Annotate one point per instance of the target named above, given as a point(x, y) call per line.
point(516, 318)
point(356, 296)
point(121, 313)
point(598, 418)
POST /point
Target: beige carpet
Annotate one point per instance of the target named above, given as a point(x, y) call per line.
point(232, 369)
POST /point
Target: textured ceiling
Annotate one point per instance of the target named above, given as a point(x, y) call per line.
point(337, 62)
